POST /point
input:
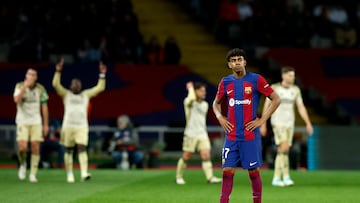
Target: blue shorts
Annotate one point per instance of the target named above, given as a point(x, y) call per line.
point(245, 154)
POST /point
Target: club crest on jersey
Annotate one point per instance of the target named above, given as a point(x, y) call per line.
point(248, 90)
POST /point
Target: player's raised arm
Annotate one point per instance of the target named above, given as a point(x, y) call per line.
point(92, 92)
point(102, 68)
point(57, 77)
point(191, 93)
point(190, 98)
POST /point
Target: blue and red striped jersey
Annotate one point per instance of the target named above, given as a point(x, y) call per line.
point(242, 96)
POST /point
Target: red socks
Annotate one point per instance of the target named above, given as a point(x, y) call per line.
point(256, 185)
point(226, 186)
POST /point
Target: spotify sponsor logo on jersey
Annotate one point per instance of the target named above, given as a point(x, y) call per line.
point(233, 102)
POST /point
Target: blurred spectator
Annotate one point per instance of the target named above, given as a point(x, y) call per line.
point(338, 15)
point(345, 36)
point(172, 53)
point(323, 32)
point(228, 15)
point(42, 50)
point(244, 9)
point(88, 52)
point(228, 11)
point(238, 30)
point(303, 36)
point(295, 5)
point(129, 21)
point(51, 144)
point(124, 145)
point(104, 49)
point(154, 53)
point(121, 50)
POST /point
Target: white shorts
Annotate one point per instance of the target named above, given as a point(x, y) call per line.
point(192, 144)
point(283, 134)
point(29, 132)
point(71, 136)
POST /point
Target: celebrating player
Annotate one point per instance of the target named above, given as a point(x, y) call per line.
point(242, 147)
point(75, 125)
point(30, 97)
point(195, 135)
point(283, 121)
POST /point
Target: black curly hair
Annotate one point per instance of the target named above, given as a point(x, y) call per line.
point(235, 52)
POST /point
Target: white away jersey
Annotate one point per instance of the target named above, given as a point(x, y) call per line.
point(28, 110)
point(196, 113)
point(285, 113)
point(76, 105)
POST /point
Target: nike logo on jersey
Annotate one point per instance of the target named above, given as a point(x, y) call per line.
point(229, 92)
point(253, 163)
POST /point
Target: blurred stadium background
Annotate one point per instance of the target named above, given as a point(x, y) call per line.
point(146, 77)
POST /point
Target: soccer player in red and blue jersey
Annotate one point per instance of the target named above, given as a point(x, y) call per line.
point(242, 147)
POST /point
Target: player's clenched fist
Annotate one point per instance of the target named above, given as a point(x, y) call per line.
point(102, 67)
point(59, 66)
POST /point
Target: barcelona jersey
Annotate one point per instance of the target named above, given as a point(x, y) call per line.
point(242, 96)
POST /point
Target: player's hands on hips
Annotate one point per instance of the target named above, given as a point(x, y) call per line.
point(102, 67)
point(252, 125)
point(225, 124)
point(59, 66)
point(189, 85)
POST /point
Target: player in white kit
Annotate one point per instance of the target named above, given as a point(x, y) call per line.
point(32, 121)
point(75, 127)
point(195, 135)
point(283, 123)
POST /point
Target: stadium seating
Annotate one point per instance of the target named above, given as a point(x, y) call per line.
point(200, 51)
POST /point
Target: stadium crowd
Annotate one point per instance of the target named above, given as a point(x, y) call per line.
point(280, 23)
point(108, 30)
point(86, 30)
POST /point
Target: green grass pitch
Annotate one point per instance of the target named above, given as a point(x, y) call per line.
point(158, 186)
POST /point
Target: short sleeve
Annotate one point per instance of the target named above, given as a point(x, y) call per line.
point(43, 95)
point(220, 92)
point(17, 89)
point(264, 87)
point(298, 97)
